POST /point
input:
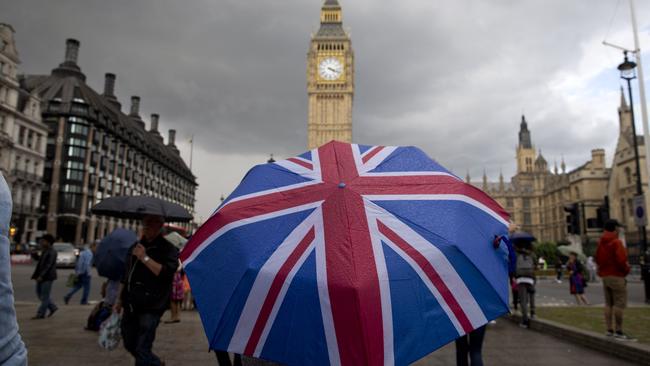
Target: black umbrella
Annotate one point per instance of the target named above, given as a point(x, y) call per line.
point(135, 207)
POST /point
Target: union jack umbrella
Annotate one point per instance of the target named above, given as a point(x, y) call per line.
point(348, 255)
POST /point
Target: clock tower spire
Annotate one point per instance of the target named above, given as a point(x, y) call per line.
point(330, 79)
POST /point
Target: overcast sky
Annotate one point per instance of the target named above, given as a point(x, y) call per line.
point(451, 77)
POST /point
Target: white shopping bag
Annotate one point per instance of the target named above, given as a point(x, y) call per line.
point(109, 332)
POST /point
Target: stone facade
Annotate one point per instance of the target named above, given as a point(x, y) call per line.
point(22, 141)
point(95, 151)
point(330, 80)
point(536, 196)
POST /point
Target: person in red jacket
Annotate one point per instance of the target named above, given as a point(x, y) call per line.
point(611, 258)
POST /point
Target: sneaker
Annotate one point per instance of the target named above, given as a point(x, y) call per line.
point(610, 333)
point(623, 337)
point(52, 312)
point(38, 317)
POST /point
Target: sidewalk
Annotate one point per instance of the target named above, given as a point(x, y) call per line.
point(61, 340)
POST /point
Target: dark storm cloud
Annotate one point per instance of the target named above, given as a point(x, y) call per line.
point(451, 77)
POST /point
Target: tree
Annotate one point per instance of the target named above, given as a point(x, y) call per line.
point(548, 250)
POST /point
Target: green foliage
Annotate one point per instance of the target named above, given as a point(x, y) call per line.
point(548, 250)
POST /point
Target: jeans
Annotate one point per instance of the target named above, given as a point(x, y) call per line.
point(138, 334)
point(12, 348)
point(471, 343)
point(526, 297)
point(43, 290)
point(83, 280)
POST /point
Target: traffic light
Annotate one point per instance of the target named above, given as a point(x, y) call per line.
point(12, 231)
point(573, 218)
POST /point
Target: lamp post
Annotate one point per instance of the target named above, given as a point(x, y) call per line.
point(628, 74)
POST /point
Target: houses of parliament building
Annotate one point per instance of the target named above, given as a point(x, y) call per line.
point(540, 197)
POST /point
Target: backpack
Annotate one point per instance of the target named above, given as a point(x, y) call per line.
point(100, 312)
point(525, 265)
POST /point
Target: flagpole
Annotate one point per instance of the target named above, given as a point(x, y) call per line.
point(644, 109)
point(191, 150)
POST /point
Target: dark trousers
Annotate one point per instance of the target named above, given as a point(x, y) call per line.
point(526, 299)
point(138, 334)
point(471, 344)
point(224, 359)
point(83, 281)
point(43, 290)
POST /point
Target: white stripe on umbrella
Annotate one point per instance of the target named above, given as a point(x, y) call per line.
point(262, 284)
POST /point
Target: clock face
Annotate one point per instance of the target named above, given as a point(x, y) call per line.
point(330, 69)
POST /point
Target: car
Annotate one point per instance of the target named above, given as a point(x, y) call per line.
point(66, 255)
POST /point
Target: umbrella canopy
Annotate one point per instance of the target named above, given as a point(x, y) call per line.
point(522, 236)
point(568, 249)
point(176, 239)
point(110, 255)
point(135, 207)
point(348, 254)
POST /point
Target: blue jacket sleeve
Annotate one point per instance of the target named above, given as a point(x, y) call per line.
point(12, 348)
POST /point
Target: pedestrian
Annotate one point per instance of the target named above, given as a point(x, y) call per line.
point(146, 289)
point(592, 268)
point(12, 348)
point(178, 293)
point(558, 270)
point(577, 279)
point(82, 270)
point(525, 277)
point(613, 267)
point(188, 302)
point(45, 275)
point(470, 344)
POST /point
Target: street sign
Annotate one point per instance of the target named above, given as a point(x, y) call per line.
point(640, 217)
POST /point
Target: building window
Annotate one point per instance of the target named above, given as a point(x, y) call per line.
point(77, 152)
point(527, 218)
point(77, 126)
point(628, 175)
point(21, 135)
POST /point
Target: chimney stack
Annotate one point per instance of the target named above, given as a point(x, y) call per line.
point(172, 137)
point(109, 84)
point(135, 106)
point(154, 122)
point(71, 50)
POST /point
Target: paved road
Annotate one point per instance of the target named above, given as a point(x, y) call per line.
point(25, 288)
point(60, 340)
point(549, 293)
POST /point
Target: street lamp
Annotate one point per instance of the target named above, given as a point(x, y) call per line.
point(271, 160)
point(627, 69)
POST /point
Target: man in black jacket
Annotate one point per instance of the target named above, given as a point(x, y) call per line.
point(45, 274)
point(146, 290)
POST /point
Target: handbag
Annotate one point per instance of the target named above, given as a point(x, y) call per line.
point(73, 279)
point(109, 332)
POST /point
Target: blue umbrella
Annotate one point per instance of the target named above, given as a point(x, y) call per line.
point(348, 255)
point(111, 253)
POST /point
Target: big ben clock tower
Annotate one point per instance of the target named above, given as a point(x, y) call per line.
point(330, 79)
